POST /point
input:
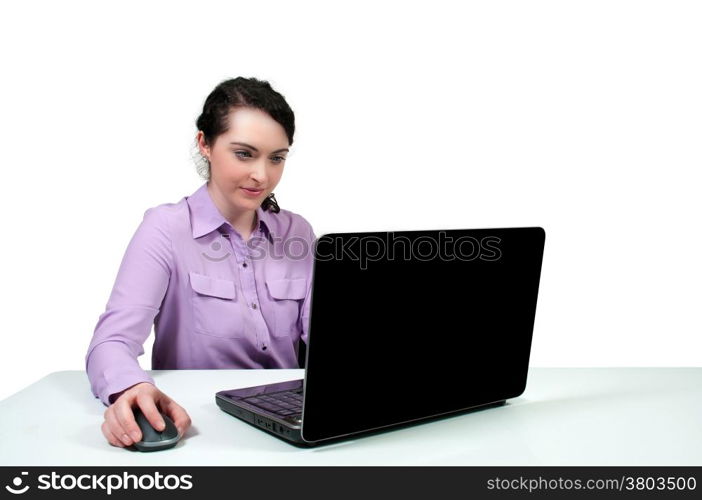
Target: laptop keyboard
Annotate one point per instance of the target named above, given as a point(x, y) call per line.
point(284, 403)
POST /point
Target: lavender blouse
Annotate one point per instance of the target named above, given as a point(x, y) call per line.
point(215, 300)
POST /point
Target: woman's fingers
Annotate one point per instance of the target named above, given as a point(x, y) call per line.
point(125, 416)
point(111, 438)
point(180, 417)
point(150, 410)
point(115, 427)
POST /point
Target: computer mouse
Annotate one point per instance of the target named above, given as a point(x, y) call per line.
point(151, 439)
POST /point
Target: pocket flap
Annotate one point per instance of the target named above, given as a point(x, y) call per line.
point(214, 287)
point(287, 288)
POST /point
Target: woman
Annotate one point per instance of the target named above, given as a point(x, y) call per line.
point(224, 275)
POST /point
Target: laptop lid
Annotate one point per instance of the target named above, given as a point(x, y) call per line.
point(411, 324)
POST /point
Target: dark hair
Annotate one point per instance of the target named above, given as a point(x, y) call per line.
point(242, 92)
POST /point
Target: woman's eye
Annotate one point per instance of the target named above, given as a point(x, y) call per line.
point(246, 154)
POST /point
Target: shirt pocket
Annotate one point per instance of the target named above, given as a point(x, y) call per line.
point(216, 312)
point(287, 296)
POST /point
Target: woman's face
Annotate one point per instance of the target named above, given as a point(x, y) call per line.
point(250, 155)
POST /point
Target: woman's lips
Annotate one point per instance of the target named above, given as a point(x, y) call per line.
point(252, 192)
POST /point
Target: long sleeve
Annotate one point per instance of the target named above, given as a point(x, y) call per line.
point(305, 313)
point(136, 298)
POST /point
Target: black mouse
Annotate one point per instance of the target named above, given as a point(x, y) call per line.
point(151, 439)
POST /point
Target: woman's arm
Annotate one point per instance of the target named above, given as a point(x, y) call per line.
point(136, 298)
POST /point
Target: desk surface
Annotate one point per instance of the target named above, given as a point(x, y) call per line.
point(566, 416)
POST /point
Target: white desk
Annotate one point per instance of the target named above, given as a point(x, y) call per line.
point(567, 416)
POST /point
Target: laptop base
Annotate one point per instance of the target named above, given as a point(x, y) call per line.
point(292, 434)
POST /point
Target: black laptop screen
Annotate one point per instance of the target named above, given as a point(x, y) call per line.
point(411, 324)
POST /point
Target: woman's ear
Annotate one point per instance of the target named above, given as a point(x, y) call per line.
point(201, 144)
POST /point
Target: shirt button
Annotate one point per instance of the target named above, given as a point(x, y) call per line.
point(244, 264)
point(264, 348)
point(253, 305)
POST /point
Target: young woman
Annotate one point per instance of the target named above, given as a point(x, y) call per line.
point(224, 275)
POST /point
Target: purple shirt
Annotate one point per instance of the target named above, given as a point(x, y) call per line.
point(215, 300)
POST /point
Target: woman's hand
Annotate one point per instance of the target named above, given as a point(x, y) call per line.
point(120, 427)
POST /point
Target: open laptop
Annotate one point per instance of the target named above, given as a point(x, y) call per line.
point(405, 327)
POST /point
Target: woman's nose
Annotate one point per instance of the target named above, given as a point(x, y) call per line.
point(259, 171)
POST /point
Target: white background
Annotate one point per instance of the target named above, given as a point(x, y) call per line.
point(583, 117)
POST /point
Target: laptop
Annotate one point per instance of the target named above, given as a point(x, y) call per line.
point(405, 327)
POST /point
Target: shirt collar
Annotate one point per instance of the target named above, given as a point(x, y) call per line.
point(205, 217)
